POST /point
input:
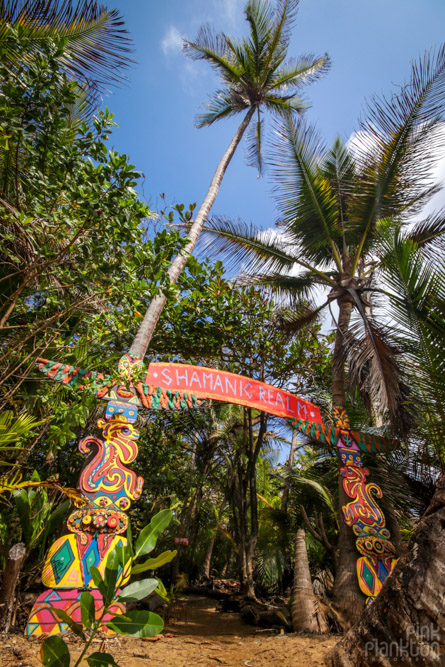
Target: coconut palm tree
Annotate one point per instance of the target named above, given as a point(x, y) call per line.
point(339, 208)
point(418, 309)
point(256, 78)
point(96, 47)
point(306, 614)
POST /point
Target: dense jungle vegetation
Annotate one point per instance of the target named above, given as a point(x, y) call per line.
point(82, 258)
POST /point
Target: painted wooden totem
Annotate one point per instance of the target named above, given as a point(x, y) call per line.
point(362, 514)
point(96, 528)
point(109, 487)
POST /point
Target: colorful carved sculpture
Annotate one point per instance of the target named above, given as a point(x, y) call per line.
point(95, 528)
point(362, 514)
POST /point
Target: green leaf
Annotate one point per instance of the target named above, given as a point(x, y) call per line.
point(98, 581)
point(153, 563)
point(162, 591)
point(75, 627)
point(138, 590)
point(124, 555)
point(54, 652)
point(110, 577)
point(130, 539)
point(98, 659)
point(149, 535)
point(137, 624)
point(87, 609)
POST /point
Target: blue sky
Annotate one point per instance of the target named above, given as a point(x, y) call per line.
point(371, 44)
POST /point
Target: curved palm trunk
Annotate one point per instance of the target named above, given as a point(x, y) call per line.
point(406, 622)
point(345, 305)
point(148, 325)
point(306, 615)
point(347, 597)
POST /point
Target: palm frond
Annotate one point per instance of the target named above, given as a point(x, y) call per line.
point(430, 232)
point(270, 563)
point(322, 491)
point(300, 317)
point(13, 482)
point(339, 169)
point(282, 105)
point(220, 105)
point(401, 141)
point(281, 26)
point(260, 16)
point(254, 145)
point(247, 244)
point(12, 428)
point(285, 287)
point(214, 48)
point(418, 308)
point(374, 370)
point(308, 205)
point(299, 71)
point(97, 45)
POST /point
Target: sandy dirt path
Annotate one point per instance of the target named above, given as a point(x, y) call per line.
point(201, 636)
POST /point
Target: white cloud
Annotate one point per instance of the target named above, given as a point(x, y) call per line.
point(231, 10)
point(171, 44)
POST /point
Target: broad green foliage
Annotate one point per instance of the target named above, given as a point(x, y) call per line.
point(76, 261)
point(29, 515)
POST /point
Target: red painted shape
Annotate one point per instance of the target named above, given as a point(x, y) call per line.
point(182, 540)
point(231, 388)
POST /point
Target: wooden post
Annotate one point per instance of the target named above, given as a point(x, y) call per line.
point(16, 557)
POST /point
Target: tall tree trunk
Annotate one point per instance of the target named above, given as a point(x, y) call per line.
point(406, 622)
point(289, 465)
point(16, 557)
point(252, 540)
point(148, 325)
point(226, 564)
point(209, 552)
point(306, 615)
point(253, 451)
point(348, 599)
point(208, 558)
point(239, 511)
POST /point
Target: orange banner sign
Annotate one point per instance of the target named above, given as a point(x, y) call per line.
point(231, 388)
